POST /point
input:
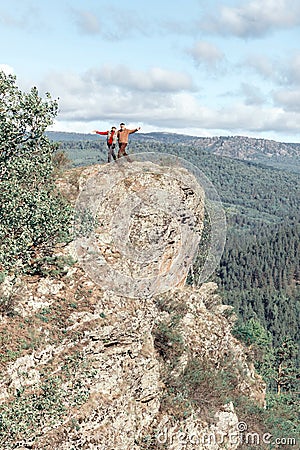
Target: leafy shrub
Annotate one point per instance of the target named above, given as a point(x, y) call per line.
point(200, 386)
point(168, 341)
point(55, 266)
point(7, 305)
point(60, 161)
point(33, 216)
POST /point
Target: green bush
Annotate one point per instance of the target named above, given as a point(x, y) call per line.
point(33, 216)
point(55, 266)
point(168, 341)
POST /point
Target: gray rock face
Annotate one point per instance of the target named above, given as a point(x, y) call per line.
point(138, 226)
point(111, 375)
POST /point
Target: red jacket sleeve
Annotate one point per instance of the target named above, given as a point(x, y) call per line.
point(102, 132)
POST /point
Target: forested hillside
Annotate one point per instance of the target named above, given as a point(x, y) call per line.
point(271, 153)
point(261, 279)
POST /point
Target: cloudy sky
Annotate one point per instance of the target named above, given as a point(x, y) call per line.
point(198, 67)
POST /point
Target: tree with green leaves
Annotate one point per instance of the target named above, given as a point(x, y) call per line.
point(33, 215)
point(259, 341)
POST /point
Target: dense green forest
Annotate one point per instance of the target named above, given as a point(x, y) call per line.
point(259, 270)
point(260, 278)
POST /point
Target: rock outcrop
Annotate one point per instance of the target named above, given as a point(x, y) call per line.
point(103, 370)
point(84, 367)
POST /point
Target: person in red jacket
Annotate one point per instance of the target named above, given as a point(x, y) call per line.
point(111, 142)
point(122, 136)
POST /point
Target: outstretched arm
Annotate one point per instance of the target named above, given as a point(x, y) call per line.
point(100, 132)
point(133, 131)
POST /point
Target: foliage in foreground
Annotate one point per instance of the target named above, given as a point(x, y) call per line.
point(33, 216)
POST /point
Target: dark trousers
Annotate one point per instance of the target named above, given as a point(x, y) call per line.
point(122, 150)
point(111, 153)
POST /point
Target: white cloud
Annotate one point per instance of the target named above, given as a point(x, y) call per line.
point(117, 24)
point(292, 70)
point(155, 79)
point(117, 92)
point(206, 53)
point(87, 22)
point(24, 17)
point(253, 94)
point(7, 69)
point(288, 99)
point(262, 65)
point(254, 18)
point(88, 99)
point(285, 71)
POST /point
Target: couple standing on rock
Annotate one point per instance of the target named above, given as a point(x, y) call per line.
point(114, 136)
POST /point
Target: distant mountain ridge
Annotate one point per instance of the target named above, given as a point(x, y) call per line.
point(265, 151)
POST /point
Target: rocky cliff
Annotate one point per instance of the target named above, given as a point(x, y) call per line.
point(84, 366)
